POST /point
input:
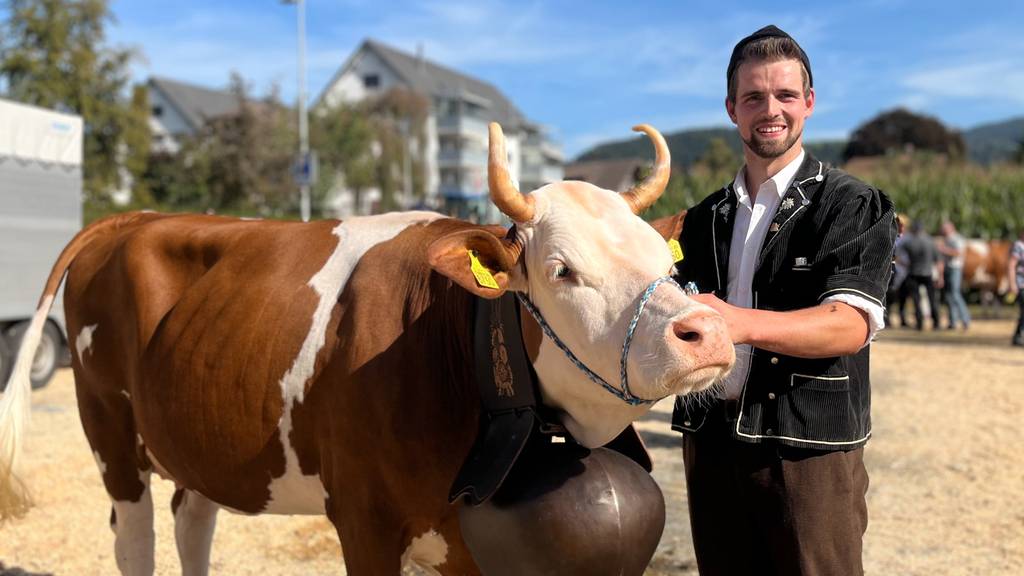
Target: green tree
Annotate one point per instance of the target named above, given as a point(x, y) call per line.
point(899, 130)
point(365, 145)
point(52, 55)
point(238, 163)
point(720, 158)
point(137, 139)
point(343, 137)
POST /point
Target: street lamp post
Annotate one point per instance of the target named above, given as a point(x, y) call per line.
point(305, 162)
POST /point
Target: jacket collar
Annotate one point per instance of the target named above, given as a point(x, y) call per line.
point(800, 195)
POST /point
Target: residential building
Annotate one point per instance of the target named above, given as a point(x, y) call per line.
point(178, 109)
point(455, 157)
point(618, 174)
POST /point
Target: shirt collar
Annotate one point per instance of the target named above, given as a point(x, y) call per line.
point(782, 179)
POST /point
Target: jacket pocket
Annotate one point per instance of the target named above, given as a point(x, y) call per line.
point(819, 383)
point(818, 410)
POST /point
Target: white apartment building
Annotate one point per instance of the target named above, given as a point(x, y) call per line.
point(456, 131)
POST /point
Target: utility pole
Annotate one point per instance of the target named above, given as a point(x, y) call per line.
point(306, 169)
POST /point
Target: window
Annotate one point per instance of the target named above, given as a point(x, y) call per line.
point(158, 110)
point(371, 81)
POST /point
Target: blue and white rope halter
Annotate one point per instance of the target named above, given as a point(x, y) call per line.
point(624, 394)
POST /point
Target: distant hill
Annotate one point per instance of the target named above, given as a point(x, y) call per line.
point(986, 143)
point(995, 142)
point(686, 146)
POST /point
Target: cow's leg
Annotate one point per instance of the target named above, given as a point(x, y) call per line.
point(107, 421)
point(132, 522)
point(195, 518)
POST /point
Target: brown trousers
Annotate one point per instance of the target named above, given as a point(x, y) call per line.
point(766, 509)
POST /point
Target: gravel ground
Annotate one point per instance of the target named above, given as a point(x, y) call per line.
point(947, 478)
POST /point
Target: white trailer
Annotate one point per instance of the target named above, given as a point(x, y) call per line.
point(40, 211)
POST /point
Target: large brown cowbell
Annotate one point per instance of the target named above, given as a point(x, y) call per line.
point(567, 511)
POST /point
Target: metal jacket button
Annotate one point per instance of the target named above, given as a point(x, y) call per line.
point(771, 395)
point(775, 360)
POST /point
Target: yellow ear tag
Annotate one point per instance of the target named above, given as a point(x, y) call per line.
point(676, 250)
point(481, 273)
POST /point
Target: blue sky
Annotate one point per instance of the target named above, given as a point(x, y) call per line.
point(591, 69)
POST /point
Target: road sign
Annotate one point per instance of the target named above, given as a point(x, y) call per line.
point(306, 168)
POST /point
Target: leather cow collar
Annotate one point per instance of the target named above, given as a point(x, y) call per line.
point(512, 416)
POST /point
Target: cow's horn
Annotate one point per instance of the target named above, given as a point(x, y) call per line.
point(516, 206)
point(641, 196)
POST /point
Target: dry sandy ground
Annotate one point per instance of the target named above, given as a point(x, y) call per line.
point(946, 465)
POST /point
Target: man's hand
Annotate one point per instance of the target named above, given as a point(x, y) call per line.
point(735, 317)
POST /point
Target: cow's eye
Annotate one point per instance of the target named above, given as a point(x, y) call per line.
point(562, 271)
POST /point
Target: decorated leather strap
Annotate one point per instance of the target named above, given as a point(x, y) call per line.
point(508, 399)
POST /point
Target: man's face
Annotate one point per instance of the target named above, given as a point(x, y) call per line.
point(770, 106)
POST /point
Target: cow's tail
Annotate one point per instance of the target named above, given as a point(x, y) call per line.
point(15, 405)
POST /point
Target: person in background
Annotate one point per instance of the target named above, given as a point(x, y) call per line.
point(896, 294)
point(1015, 272)
point(952, 247)
point(919, 252)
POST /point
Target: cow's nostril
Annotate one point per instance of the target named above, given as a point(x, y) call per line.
point(689, 336)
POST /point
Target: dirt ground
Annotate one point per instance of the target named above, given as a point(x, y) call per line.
point(946, 466)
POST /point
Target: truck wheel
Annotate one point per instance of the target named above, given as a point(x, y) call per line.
point(6, 362)
point(47, 354)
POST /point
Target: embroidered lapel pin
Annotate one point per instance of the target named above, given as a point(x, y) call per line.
point(787, 204)
point(724, 211)
point(774, 227)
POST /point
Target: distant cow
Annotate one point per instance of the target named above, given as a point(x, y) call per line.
point(985, 269)
point(326, 367)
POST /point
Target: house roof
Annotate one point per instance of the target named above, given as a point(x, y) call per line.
point(432, 79)
point(618, 174)
point(196, 103)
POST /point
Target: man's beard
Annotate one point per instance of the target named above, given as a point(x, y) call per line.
point(770, 149)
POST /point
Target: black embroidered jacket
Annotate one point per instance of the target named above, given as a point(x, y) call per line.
point(832, 234)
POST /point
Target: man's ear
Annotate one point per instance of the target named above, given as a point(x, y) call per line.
point(450, 255)
point(670, 226)
point(730, 109)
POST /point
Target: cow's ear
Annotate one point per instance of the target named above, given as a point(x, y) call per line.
point(670, 226)
point(475, 259)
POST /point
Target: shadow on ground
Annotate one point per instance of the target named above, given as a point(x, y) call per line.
point(15, 571)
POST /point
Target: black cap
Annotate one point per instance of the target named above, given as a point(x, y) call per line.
point(769, 31)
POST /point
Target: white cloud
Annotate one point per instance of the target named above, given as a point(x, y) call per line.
point(981, 79)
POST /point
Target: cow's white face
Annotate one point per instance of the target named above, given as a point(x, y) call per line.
point(588, 260)
point(585, 260)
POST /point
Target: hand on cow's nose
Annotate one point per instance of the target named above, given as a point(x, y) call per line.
point(703, 336)
point(732, 316)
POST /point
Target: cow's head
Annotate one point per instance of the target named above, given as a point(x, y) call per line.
point(584, 258)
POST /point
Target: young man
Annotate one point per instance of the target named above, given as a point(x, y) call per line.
point(796, 256)
point(923, 259)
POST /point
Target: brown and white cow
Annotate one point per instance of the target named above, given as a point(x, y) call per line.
point(325, 367)
point(985, 269)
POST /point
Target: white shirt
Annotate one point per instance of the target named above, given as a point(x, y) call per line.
point(749, 229)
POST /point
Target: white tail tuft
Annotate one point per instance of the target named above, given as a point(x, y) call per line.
point(15, 407)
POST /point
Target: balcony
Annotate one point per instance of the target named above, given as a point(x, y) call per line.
point(461, 125)
point(464, 158)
